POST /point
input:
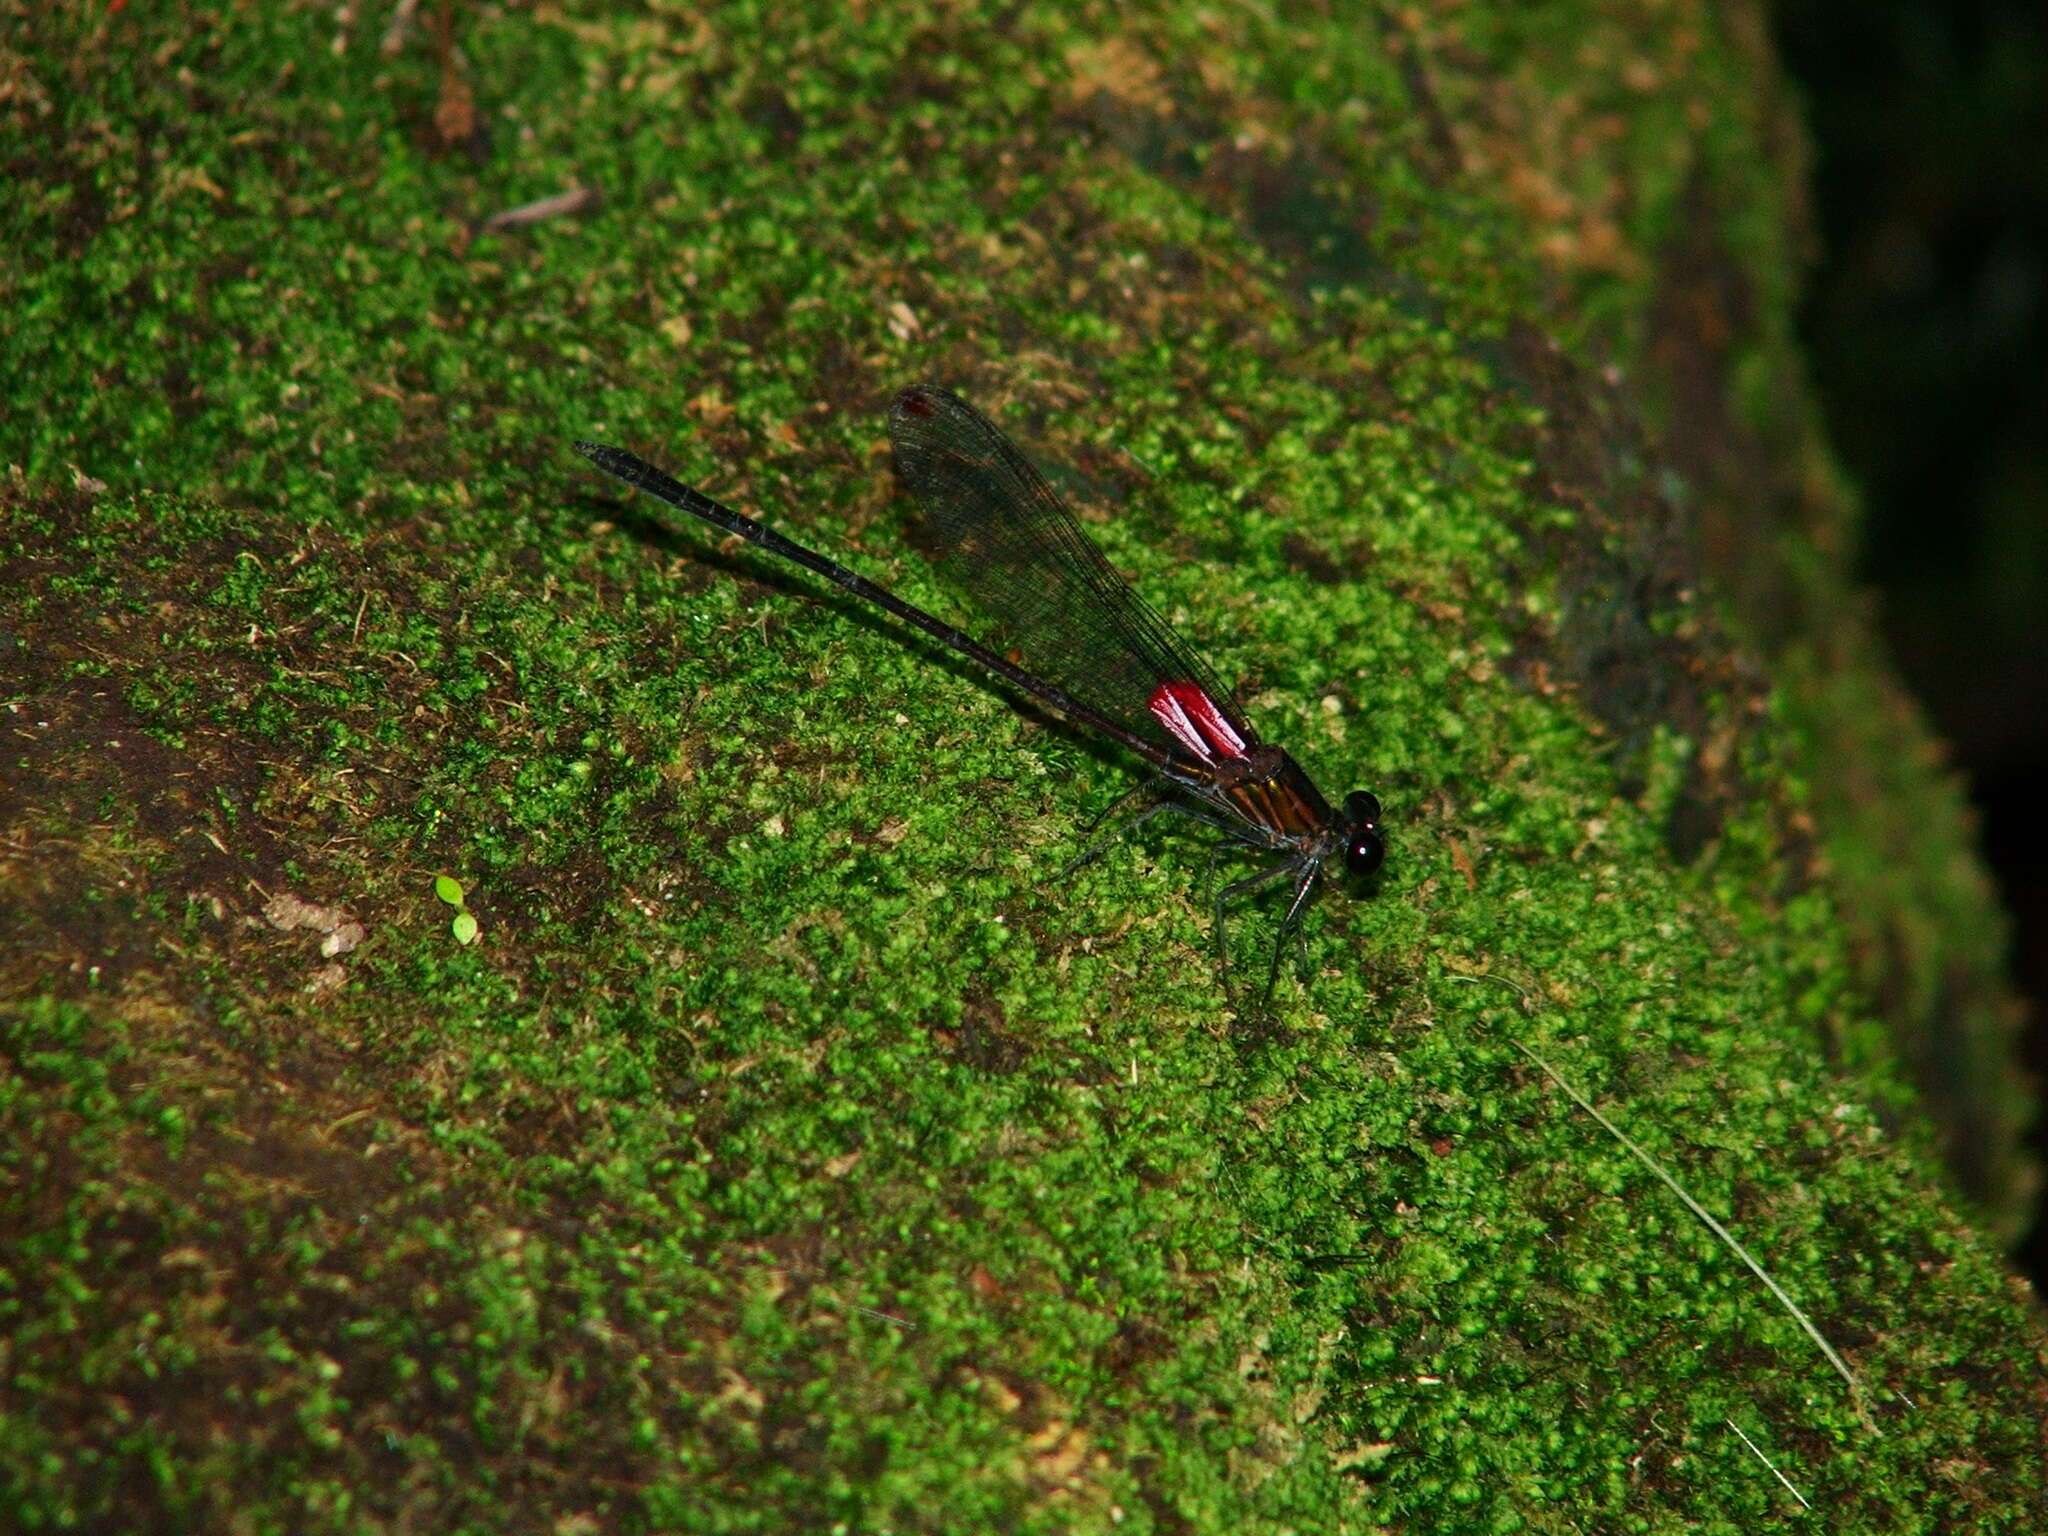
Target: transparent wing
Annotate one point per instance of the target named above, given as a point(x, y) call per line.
point(1011, 544)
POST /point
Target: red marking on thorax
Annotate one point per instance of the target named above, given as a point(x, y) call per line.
point(1192, 719)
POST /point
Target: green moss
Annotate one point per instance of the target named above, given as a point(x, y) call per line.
point(793, 1149)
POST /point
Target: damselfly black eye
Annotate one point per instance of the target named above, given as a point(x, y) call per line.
point(1362, 809)
point(1364, 848)
point(1367, 851)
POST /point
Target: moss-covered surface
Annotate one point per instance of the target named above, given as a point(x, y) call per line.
point(789, 1153)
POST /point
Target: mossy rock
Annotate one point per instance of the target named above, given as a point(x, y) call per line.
point(788, 1149)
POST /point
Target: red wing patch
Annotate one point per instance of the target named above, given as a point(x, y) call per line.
point(1192, 719)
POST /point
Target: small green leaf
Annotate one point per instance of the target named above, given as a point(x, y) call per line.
point(448, 889)
point(464, 928)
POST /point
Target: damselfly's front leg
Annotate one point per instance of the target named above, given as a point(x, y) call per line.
point(1167, 806)
point(1229, 893)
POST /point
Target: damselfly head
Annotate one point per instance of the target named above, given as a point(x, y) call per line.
point(1365, 846)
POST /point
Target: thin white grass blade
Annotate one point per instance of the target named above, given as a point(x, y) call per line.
point(1856, 1395)
point(1760, 1456)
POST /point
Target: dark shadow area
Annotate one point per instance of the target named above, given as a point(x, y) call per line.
point(1926, 321)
